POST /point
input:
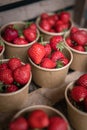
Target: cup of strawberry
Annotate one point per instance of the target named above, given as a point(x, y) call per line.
point(2, 49)
point(53, 24)
point(39, 117)
point(50, 62)
point(76, 100)
point(15, 78)
point(76, 40)
point(18, 36)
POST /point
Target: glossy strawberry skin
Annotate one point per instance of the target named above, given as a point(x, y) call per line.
point(56, 55)
point(69, 41)
point(3, 66)
point(11, 88)
point(79, 48)
point(48, 63)
point(57, 123)
point(14, 63)
point(36, 52)
point(1, 48)
point(20, 41)
point(22, 74)
point(38, 119)
point(64, 16)
point(64, 61)
point(45, 25)
point(82, 80)
point(6, 76)
point(18, 124)
point(78, 93)
point(47, 49)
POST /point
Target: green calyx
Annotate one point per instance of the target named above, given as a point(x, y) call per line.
point(20, 31)
point(59, 64)
point(60, 46)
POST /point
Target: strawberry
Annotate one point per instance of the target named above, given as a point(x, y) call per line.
point(36, 52)
point(61, 27)
point(45, 25)
point(55, 41)
point(79, 38)
point(19, 123)
point(22, 74)
point(29, 34)
point(79, 48)
point(11, 88)
point(44, 16)
point(47, 49)
point(38, 119)
point(64, 16)
point(56, 55)
point(33, 26)
point(48, 63)
point(73, 30)
point(57, 123)
point(69, 41)
point(51, 20)
point(10, 34)
point(6, 76)
point(14, 63)
point(3, 66)
point(78, 93)
point(64, 61)
point(82, 80)
point(1, 48)
point(20, 41)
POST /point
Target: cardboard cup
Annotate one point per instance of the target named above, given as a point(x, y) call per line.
point(77, 118)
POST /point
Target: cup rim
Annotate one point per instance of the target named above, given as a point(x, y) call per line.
point(14, 45)
point(51, 33)
point(2, 50)
point(69, 103)
point(55, 69)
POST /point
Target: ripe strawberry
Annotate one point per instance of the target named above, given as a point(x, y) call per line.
point(33, 26)
point(73, 30)
point(51, 20)
point(11, 88)
point(56, 55)
point(6, 76)
point(69, 42)
point(79, 48)
point(44, 16)
point(48, 63)
point(14, 63)
point(55, 41)
point(65, 16)
point(45, 25)
point(22, 74)
point(47, 49)
point(79, 38)
point(78, 93)
point(20, 41)
point(57, 123)
point(10, 34)
point(82, 80)
point(19, 124)
point(3, 66)
point(36, 52)
point(38, 119)
point(1, 48)
point(29, 34)
point(64, 61)
point(61, 27)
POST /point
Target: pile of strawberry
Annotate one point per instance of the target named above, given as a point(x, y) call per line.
point(38, 120)
point(77, 39)
point(55, 23)
point(78, 94)
point(13, 75)
point(13, 34)
point(49, 55)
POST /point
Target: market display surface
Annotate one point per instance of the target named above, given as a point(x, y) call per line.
point(41, 74)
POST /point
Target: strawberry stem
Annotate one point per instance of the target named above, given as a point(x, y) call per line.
point(28, 24)
point(60, 46)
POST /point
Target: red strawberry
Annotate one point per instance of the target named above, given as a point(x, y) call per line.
point(79, 48)
point(65, 16)
point(69, 41)
point(56, 55)
point(1, 48)
point(6, 76)
point(10, 34)
point(78, 93)
point(82, 80)
point(22, 74)
point(47, 49)
point(44, 16)
point(51, 20)
point(45, 25)
point(14, 63)
point(20, 41)
point(36, 52)
point(18, 124)
point(38, 119)
point(3, 66)
point(57, 123)
point(55, 41)
point(79, 38)
point(73, 30)
point(48, 63)
point(33, 26)
point(29, 34)
point(11, 88)
point(64, 61)
point(61, 27)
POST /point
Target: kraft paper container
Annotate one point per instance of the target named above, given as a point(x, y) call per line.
point(78, 119)
point(47, 35)
point(49, 110)
point(10, 102)
point(50, 78)
point(2, 53)
point(12, 50)
point(79, 62)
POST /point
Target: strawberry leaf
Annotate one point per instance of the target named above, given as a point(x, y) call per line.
point(60, 46)
point(59, 64)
